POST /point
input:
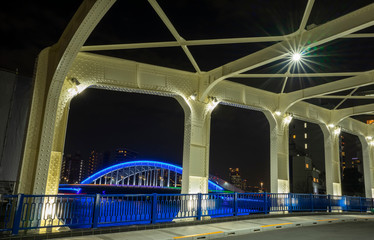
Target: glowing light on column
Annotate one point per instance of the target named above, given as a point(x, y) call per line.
point(288, 119)
point(193, 96)
point(337, 130)
point(213, 102)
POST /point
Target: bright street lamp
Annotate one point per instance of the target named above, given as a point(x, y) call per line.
point(296, 57)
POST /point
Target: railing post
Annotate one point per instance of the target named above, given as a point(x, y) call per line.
point(236, 204)
point(17, 215)
point(290, 202)
point(312, 202)
point(96, 211)
point(154, 208)
point(329, 197)
point(265, 203)
point(199, 212)
point(347, 203)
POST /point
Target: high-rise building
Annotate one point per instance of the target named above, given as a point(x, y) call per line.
point(72, 169)
point(306, 172)
point(304, 178)
point(94, 164)
point(299, 139)
point(234, 176)
point(123, 154)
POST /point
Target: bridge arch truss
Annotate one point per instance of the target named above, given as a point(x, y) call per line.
point(142, 173)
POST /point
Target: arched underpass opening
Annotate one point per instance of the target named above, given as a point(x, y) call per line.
point(351, 165)
point(109, 127)
point(240, 140)
point(306, 158)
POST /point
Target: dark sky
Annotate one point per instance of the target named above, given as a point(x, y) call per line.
point(153, 125)
point(104, 120)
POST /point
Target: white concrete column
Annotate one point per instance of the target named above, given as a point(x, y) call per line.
point(367, 155)
point(279, 156)
point(196, 145)
point(332, 159)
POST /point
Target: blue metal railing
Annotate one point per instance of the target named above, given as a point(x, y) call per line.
point(22, 212)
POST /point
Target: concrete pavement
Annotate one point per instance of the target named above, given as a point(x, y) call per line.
point(232, 228)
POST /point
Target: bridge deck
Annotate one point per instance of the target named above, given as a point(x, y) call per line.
point(211, 229)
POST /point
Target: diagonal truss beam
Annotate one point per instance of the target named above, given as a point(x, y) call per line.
point(339, 115)
point(306, 15)
point(174, 32)
point(360, 35)
point(294, 75)
point(345, 97)
point(202, 42)
point(347, 24)
point(287, 100)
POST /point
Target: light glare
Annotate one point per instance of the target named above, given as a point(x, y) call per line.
point(296, 57)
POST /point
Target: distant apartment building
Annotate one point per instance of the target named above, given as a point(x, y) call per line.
point(305, 177)
point(234, 176)
point(72, 169)
point(94, 163)
point(123, 154)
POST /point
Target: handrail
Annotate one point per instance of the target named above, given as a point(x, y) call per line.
point(22, 212)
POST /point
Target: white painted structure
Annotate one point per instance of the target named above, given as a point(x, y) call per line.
point(65, 69)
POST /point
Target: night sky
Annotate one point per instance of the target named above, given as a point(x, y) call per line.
point(153, 125)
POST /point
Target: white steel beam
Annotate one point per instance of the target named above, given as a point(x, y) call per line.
point(360, 35)
point(286, 78)
point(292, 75)
point(306, 15)
point(174, 32)
point(339, 115)
point(287, 100)
point(345, 25)
point(201, 42)
point(346, 97)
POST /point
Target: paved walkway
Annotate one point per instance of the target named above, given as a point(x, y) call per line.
point(224, 229)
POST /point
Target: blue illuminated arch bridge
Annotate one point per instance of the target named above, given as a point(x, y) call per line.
point(144, 173)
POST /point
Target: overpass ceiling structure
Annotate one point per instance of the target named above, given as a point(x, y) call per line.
point(250, 42)
point(209, 36)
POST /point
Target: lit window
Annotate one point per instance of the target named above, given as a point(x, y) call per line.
point(314, 179)
point(294, 136)
point(306, 146)
point(305, 135)
point(305, 125)
point(307, 165)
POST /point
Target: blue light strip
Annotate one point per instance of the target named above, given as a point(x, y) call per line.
point(77, 190)
point(172, 167)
